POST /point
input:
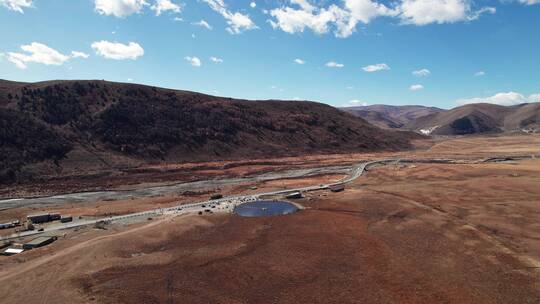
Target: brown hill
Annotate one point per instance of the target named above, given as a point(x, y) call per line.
point(479, 118)
point(392, 117)
point(61, 126)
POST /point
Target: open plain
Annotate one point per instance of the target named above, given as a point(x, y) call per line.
point(403, 233)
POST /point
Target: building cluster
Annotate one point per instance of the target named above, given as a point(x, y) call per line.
point(10, 224)
point(32, 222)
point(48, 217)
point(16, 248)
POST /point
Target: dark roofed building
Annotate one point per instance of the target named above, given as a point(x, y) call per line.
point(337, 187)
point(39, 241)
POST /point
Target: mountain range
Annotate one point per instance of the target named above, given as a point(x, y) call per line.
point(464, 120)
point(57, 127)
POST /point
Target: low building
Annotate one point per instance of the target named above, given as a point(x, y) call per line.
point(216, 196)
point(66, 219)
point(12, 251)
point(43, 217)
point(54, 217)
point(38, 218)
point(11, 224)
point(337, 187)
point(294, 195)
point(39, 242)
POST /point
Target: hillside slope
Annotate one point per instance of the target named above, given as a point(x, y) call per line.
point(59, 126)
point(479, 118)
point(391, 117)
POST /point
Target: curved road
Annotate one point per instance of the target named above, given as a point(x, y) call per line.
point(227, 204)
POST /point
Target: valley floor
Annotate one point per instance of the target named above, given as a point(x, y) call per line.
point(406, 233)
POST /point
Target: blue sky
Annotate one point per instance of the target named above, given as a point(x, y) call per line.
point(346, 52)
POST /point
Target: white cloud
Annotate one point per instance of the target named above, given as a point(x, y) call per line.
point(161, 6)
point(237, 22)
point(422, 12)
point(357, 11)
point(421, 73)
point(320, 19)
point(299, 61)
point(376, 67)
point(253, 5)
point(118, 51)
point(16, 5)
point(480, 73)
point(333, 64)
point(216, 59)
point(534, 97)
point(75, 54)
point(357, 102)
point(529, 2)
point(36, 52)
point(416, 87)
point(503, 99)
point(119, 8)
point(194, 61)
point(204, 24)
point(343, 19)
point(179, 19)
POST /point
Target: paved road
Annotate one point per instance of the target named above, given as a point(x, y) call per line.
point(221, 205)
point(227, 204)
point(85, 197)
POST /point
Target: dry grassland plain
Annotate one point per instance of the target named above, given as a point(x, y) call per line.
point(409, 233)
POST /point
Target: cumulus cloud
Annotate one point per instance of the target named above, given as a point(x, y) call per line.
point(16, 5)
point(333, 64)
point(503, 99)
point(529, 2)
point(299, 61)
point(118, 51)
point(75, 54)
point(422, 12)
point(204, 24)
point(343, 18)
point(376, 67)
point(36, 52)
point(421, 73)
point(416, 87)
point(295, 20)
point(480, 73)
point(194, 61)
point(253, 5)
point(237, 22)
point(216, 59)
point(161, 6)
point(119, 8)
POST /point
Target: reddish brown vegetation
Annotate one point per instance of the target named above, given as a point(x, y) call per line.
point(97, 124)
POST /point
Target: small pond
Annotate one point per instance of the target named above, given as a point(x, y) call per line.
point(265, 208)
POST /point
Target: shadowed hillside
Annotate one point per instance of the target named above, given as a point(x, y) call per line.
point(480, 118)
point(391, 117)
point(465, 120)
point(59, 126)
